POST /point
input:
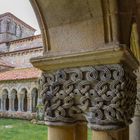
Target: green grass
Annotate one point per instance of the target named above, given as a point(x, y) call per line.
point(23, 130)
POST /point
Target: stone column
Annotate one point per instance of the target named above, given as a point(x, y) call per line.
point(13, 103)
point(134, 129)
point(88, 67)
point(10, 103)
point(4, 104)
point(99, 135)
point(0, 104)
point(81, 131)
point(19, 103)
point(61, 133)
point(33, 103)
point(29, 100)
point(22, 102)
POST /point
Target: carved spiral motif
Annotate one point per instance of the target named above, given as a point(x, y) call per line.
point(105, 95)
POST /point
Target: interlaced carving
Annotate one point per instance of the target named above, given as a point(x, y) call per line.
point(137, 109)
point(102, 95)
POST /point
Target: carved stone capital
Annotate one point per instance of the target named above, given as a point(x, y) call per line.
point(102, 95)
point(137, 109)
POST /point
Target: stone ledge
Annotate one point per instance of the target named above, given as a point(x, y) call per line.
point(18, 115)
point(107, 56)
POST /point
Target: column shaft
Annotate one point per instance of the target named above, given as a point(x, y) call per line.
point(22, 104)
point(101, 135)
point(1, 105)
point(4, 104)
point(29, 100)
point(81, 131)
point(123, 134)
point(61, 132)
point(19, 104)
point(10, 104)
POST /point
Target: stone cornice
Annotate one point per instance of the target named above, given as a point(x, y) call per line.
point(25, 39)
point(22, 51)
point(107, 56)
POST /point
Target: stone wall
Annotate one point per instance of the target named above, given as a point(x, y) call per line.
point(21, 59)
point(4, 47)
point(27, 43)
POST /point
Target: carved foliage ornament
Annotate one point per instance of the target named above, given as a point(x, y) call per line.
point(103, 95)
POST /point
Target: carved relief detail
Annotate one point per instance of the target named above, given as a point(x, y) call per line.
point(137, 109)
point(103, 95)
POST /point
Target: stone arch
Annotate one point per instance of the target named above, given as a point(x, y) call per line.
point(5, 100)
point(117, 16)
point(34, 96)
point(14, 97)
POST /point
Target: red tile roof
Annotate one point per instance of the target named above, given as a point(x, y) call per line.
point(20, 74)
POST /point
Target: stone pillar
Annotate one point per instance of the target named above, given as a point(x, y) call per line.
point(61, 132)
point(0, 104)
point(22, 102)
point(4, 104)
point(19, 103)
point(134, 129)
point(13, 103)
point(10, 103)
point(33, 102)
point(29, 102)
point(102, 135)
point(81, 131)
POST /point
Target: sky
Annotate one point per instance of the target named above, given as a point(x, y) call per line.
point(22, 9)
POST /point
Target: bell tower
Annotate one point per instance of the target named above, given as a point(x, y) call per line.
point(12, 28)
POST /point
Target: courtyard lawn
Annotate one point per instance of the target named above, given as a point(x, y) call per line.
point(23, 130)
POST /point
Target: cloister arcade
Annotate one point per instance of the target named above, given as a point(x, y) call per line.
point(21, 100)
